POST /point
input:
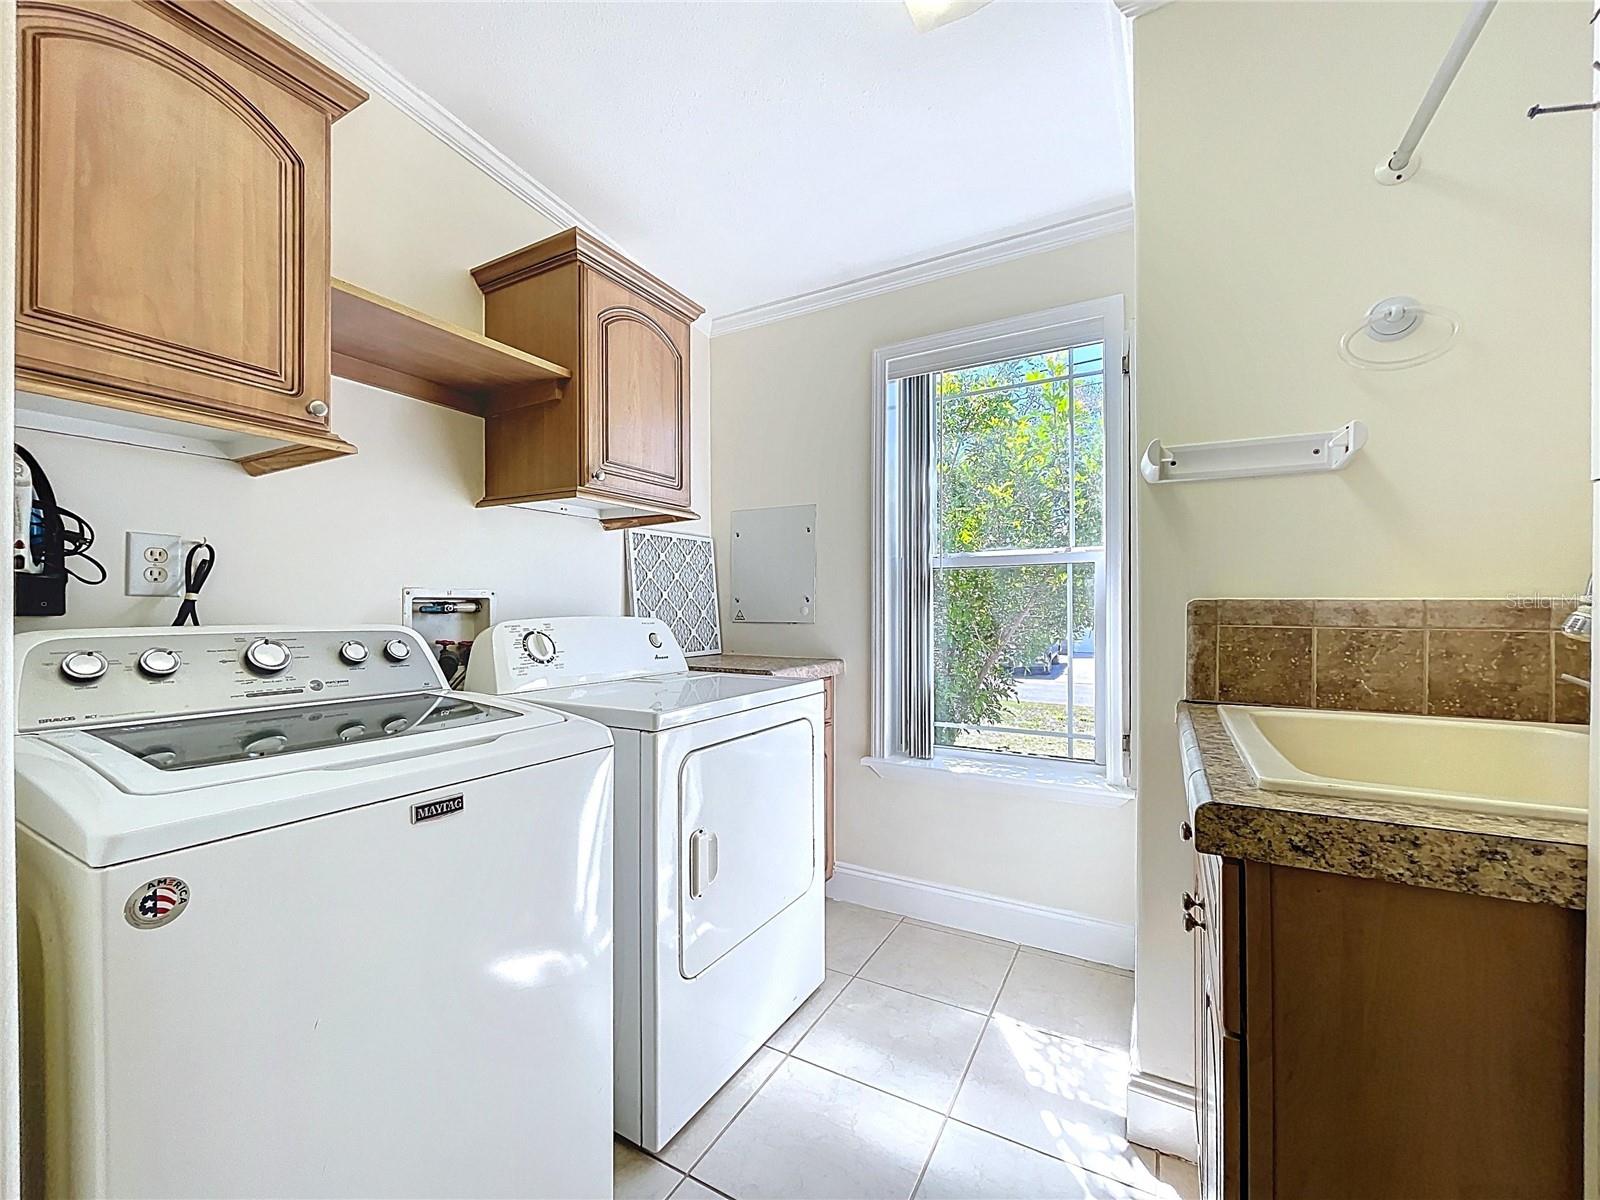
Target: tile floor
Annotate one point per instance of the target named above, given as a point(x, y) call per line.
point(931, 1063)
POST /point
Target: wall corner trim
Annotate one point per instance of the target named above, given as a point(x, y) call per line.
point(1161, 1114)
point(1138, 8)
point(988, 253)
point(1056, 929)
point(330, 40)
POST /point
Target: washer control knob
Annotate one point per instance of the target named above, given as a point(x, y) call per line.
point(352, 732)
point(84, 666)
point(396, 725)
point(354, 653)
point(539, 646)
point(158, 663)
point(267, 656)
point(655, 639)
point(267, 743)
point(397, 650)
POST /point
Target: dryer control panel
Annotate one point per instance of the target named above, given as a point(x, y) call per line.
point(90, 676)
point(546, 652)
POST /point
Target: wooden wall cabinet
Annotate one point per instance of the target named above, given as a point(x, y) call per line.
point(1362, 1038)
point(173, 260)
point(614, 442)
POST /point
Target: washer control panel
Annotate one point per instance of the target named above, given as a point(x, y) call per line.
point(545, 652)
point(85, 677)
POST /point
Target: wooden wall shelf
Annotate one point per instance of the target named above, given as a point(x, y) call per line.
point(390, 346)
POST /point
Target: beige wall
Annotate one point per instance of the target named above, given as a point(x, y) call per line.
point(792, 424)
point(411, 217)
point(337, 541)
point(1262, 237)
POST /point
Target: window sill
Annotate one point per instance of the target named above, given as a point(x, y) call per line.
point(1071, 783)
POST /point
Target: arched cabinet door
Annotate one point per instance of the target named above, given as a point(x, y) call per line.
point(636, 367)
point(173, 211)
point(614, 442)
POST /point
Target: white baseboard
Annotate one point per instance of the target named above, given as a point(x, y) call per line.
point(1056, 929)
point(1161, 1115)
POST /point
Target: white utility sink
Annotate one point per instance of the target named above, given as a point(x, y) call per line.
point(1517, 768)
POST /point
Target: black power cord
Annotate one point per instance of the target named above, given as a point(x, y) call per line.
point(195, 574)
point(75, 543)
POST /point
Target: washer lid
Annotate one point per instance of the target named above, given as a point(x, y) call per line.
point(105, 802)
point(146, 757)
point(658, 702)
point(191, 743)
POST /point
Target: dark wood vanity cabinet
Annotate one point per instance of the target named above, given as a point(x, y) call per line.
point(1218, 1045)
point(1358, 1038)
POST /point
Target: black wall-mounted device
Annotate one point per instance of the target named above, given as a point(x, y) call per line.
point(38, 548)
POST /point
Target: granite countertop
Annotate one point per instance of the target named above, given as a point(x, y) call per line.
point(1485, 854)
point(766, 664)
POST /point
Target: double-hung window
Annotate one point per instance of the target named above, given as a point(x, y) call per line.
point(1001, 548)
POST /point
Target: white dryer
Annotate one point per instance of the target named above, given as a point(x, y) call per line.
point(719, 869)
point(298, 921)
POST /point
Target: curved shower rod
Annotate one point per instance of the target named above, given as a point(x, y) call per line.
point(1403, 163)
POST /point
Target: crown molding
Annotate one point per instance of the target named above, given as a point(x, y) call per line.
point(330, 40)
point(939, 266)
point(335, 44)
point(1139, 8)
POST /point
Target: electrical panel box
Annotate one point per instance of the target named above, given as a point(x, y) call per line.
point(774, 565)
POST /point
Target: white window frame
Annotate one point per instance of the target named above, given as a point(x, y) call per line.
point(1099, 320)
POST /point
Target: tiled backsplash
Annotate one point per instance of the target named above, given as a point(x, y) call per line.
point(1458, 658)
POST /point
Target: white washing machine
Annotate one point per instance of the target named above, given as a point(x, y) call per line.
point(298, 921)
point(719, 868)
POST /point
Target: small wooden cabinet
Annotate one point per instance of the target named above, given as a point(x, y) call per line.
point(1363, 1038)
point(614, 442)
point(172, 256)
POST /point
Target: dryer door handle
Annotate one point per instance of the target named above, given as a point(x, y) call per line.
point(702, 862)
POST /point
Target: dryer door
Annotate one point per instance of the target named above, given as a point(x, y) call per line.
point(746, 837)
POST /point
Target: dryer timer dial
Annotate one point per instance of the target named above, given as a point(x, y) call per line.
point(539, 646)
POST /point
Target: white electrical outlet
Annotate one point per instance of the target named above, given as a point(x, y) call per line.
point(154, 564)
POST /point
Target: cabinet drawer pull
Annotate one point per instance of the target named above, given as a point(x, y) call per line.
point(318, 408)
point(597, 476)
point(1192, 902)
point(1192, 922)
point(1186, 831)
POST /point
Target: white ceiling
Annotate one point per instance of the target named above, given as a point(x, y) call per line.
point(751, 152)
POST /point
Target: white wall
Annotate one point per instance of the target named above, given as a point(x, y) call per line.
point(792, 424)
point(1262, 237)
point(337, 541)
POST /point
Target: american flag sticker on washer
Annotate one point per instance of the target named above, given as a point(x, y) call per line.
point(156, 903)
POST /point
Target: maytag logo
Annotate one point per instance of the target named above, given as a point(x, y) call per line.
point(429, 810)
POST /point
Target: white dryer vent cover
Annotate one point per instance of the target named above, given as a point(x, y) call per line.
point(673, 578)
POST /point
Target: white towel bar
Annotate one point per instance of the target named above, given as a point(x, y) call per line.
point(1294, 455)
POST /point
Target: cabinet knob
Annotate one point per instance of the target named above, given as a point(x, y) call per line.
point(1186, 831)
point(597, 476)
point(1192, 902)
point(318, 408)
point(1192, 922)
